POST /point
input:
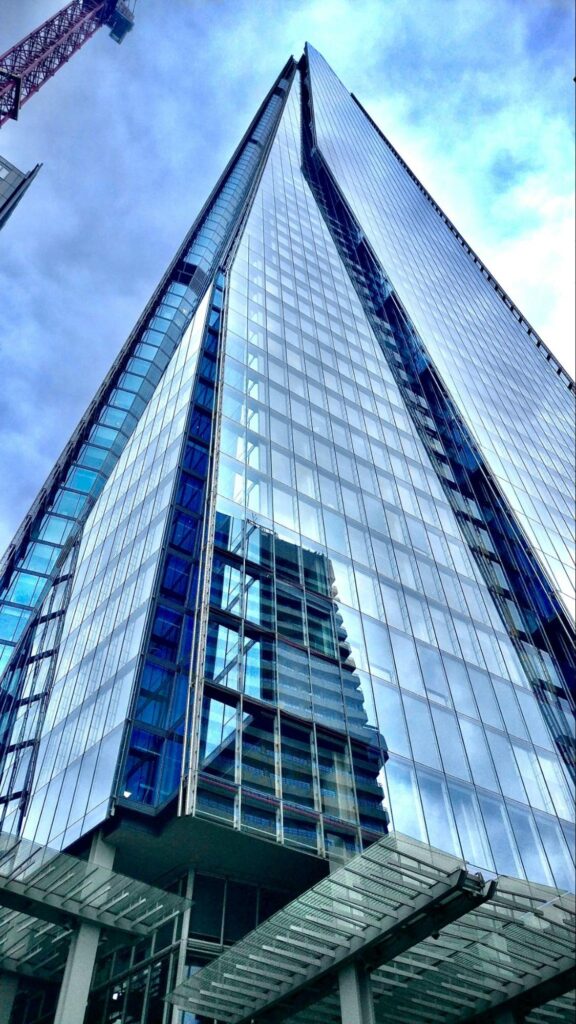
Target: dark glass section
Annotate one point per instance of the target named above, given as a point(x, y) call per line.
point(208, 908)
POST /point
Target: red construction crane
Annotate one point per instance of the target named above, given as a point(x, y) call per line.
point(28, 64)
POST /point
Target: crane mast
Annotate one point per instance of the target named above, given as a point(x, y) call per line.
point(27, 65)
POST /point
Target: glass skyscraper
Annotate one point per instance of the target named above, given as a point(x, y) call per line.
point(303, 575)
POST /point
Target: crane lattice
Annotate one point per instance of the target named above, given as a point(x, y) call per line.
point(27, 65)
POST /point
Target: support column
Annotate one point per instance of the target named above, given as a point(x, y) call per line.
point(77, 975)
point(75, 987)
point(356, 1003)
point(506, 1016)
point(8, 990)
point(176, 1015)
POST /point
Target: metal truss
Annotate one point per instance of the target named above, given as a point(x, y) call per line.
point(27, 65)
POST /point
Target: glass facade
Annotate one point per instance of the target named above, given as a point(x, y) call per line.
point(486, 353)
point(321, 593)
point(318, 462)
point(57, 516)
point(74, 748)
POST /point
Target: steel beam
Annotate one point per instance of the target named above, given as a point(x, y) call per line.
point(35, 902)
point(554, 981)
point(445, 902)
point(27, 65)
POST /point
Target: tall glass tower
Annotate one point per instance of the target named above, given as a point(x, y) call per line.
point(302, 577)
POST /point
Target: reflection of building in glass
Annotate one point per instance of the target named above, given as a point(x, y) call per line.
point(275, 633)
point(303, 544)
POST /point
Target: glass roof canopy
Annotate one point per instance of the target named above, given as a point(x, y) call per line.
point(32, 947)
point(44, 894)
point(442, 944)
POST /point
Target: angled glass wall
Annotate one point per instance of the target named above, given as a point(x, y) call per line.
point(494, 365)
point(36, 574)
point(76, 736)
point(299, 607)
point(275, 601)
point(152, 765)
point(319, 458)
point(56, 517)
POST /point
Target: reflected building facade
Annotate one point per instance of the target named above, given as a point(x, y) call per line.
point(302, 574)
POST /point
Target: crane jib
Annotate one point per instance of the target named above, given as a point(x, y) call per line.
point(29, 63)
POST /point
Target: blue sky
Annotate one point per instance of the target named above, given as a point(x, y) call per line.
point(477, 97)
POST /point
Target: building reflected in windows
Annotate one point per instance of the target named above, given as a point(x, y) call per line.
point(289, 740)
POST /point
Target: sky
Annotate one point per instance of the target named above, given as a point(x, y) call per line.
point(476, 96)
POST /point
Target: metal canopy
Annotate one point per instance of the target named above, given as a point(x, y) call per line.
point(443, 945)
point(32, 947)
point(44, 894)
point(558, 1011)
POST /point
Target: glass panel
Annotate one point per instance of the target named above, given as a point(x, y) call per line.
point(421, 731)
point(532, 851)
point(297, 779)
point(501, 837)
point(391, 718)
point(218, 738)
point(556, 851)
point(438, 813)
point(336, 787)
point(240, 914)
point(470, 826)
point(405, 800)
point(407, 665)
point(450, 743)
point(258, 759)
point(207, 908)
point(478, 755)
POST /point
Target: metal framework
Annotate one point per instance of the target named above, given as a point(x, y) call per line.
point(45, 895)
point(441, 944)
point(27, 65)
